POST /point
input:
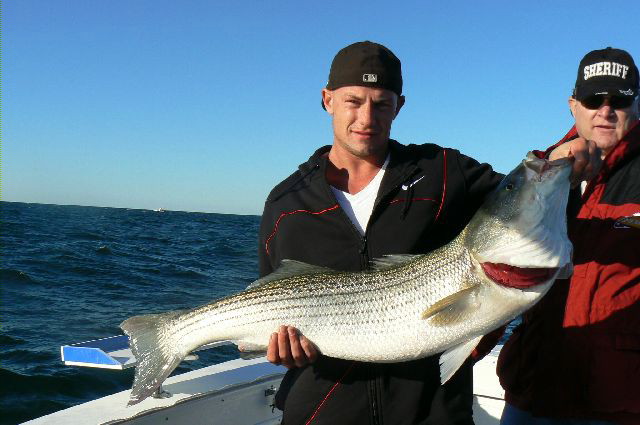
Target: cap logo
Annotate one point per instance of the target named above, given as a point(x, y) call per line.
point(606, 68)
point(626, 92)
point(370, 78)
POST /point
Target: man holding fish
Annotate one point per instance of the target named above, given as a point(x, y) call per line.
point(361, 198)
point(576, 355)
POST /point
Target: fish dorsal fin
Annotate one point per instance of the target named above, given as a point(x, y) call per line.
point(452, 308)
point(388, 261)
point(452, 359)
point(289, 268)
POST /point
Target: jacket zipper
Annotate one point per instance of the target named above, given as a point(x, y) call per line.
point(373, 393)
point(364, 255)
point(372, 384)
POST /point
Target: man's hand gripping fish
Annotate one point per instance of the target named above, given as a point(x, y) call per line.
point(407, 307)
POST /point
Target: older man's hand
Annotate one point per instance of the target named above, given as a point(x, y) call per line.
point(290, 349)
point(587, 158)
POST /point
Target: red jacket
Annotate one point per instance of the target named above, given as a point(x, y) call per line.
point(577, 352)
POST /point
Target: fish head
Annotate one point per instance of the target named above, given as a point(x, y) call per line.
point(519, 235)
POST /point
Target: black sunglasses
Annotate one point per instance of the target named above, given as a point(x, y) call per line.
point(616, 102)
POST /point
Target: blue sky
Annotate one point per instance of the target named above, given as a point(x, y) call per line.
point(205, 105)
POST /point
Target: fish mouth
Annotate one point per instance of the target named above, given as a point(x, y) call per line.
point(541, 169)
point(518, 277)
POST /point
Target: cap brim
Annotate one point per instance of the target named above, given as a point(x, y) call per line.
point(585, 91)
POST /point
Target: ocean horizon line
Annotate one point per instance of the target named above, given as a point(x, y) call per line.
point(159, 209)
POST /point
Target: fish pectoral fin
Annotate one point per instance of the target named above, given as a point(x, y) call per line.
point(453, 358)
point(290, 268)
point(450, 309)
point(250, 351)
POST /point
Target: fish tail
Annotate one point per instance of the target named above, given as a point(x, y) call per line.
point(157, 353)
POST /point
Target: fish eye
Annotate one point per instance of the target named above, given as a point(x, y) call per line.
point(509, 186)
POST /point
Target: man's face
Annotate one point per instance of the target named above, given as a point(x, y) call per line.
point(603, 125)
point(362, 118)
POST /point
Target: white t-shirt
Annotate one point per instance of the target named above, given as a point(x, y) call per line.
point(360, 205)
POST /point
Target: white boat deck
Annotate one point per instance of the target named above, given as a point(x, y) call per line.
point(488, 394)
point(236, 392)
point(218, 391)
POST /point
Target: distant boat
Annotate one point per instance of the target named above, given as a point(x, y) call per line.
point(160, 210)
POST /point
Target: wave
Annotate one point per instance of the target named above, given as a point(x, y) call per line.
point(9, 341)
point(25, 356)
point(87, 236)
point(19, 401)
point(189, 273)
point(103, 250)
point(68, 382)
point(15, 276)
point(166, 240)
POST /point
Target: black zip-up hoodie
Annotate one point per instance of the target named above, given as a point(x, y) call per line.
point(427, 195)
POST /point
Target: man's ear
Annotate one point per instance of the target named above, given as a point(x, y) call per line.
point(327, 100)
point(635, 108)
point(401, 100)
point(572, 105)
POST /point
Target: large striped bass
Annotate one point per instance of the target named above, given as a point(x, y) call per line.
point(406, 307)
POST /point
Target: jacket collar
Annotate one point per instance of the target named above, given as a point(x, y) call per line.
point(402, 165)
point(626, 148)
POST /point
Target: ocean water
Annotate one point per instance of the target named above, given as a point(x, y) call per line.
point(71, 274)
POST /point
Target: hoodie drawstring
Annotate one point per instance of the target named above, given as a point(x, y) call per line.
point(407, 202)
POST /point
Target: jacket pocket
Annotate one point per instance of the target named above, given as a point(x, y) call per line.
point(614, 375)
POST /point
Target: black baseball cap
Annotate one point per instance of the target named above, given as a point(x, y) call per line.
point(608, 72)
point(367, 64)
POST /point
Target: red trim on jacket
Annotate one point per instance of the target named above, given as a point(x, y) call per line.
point(285, 214)
point(336, 385)
point(444, 182)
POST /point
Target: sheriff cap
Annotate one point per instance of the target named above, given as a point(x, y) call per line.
point(367, 64)
point(607, 71)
